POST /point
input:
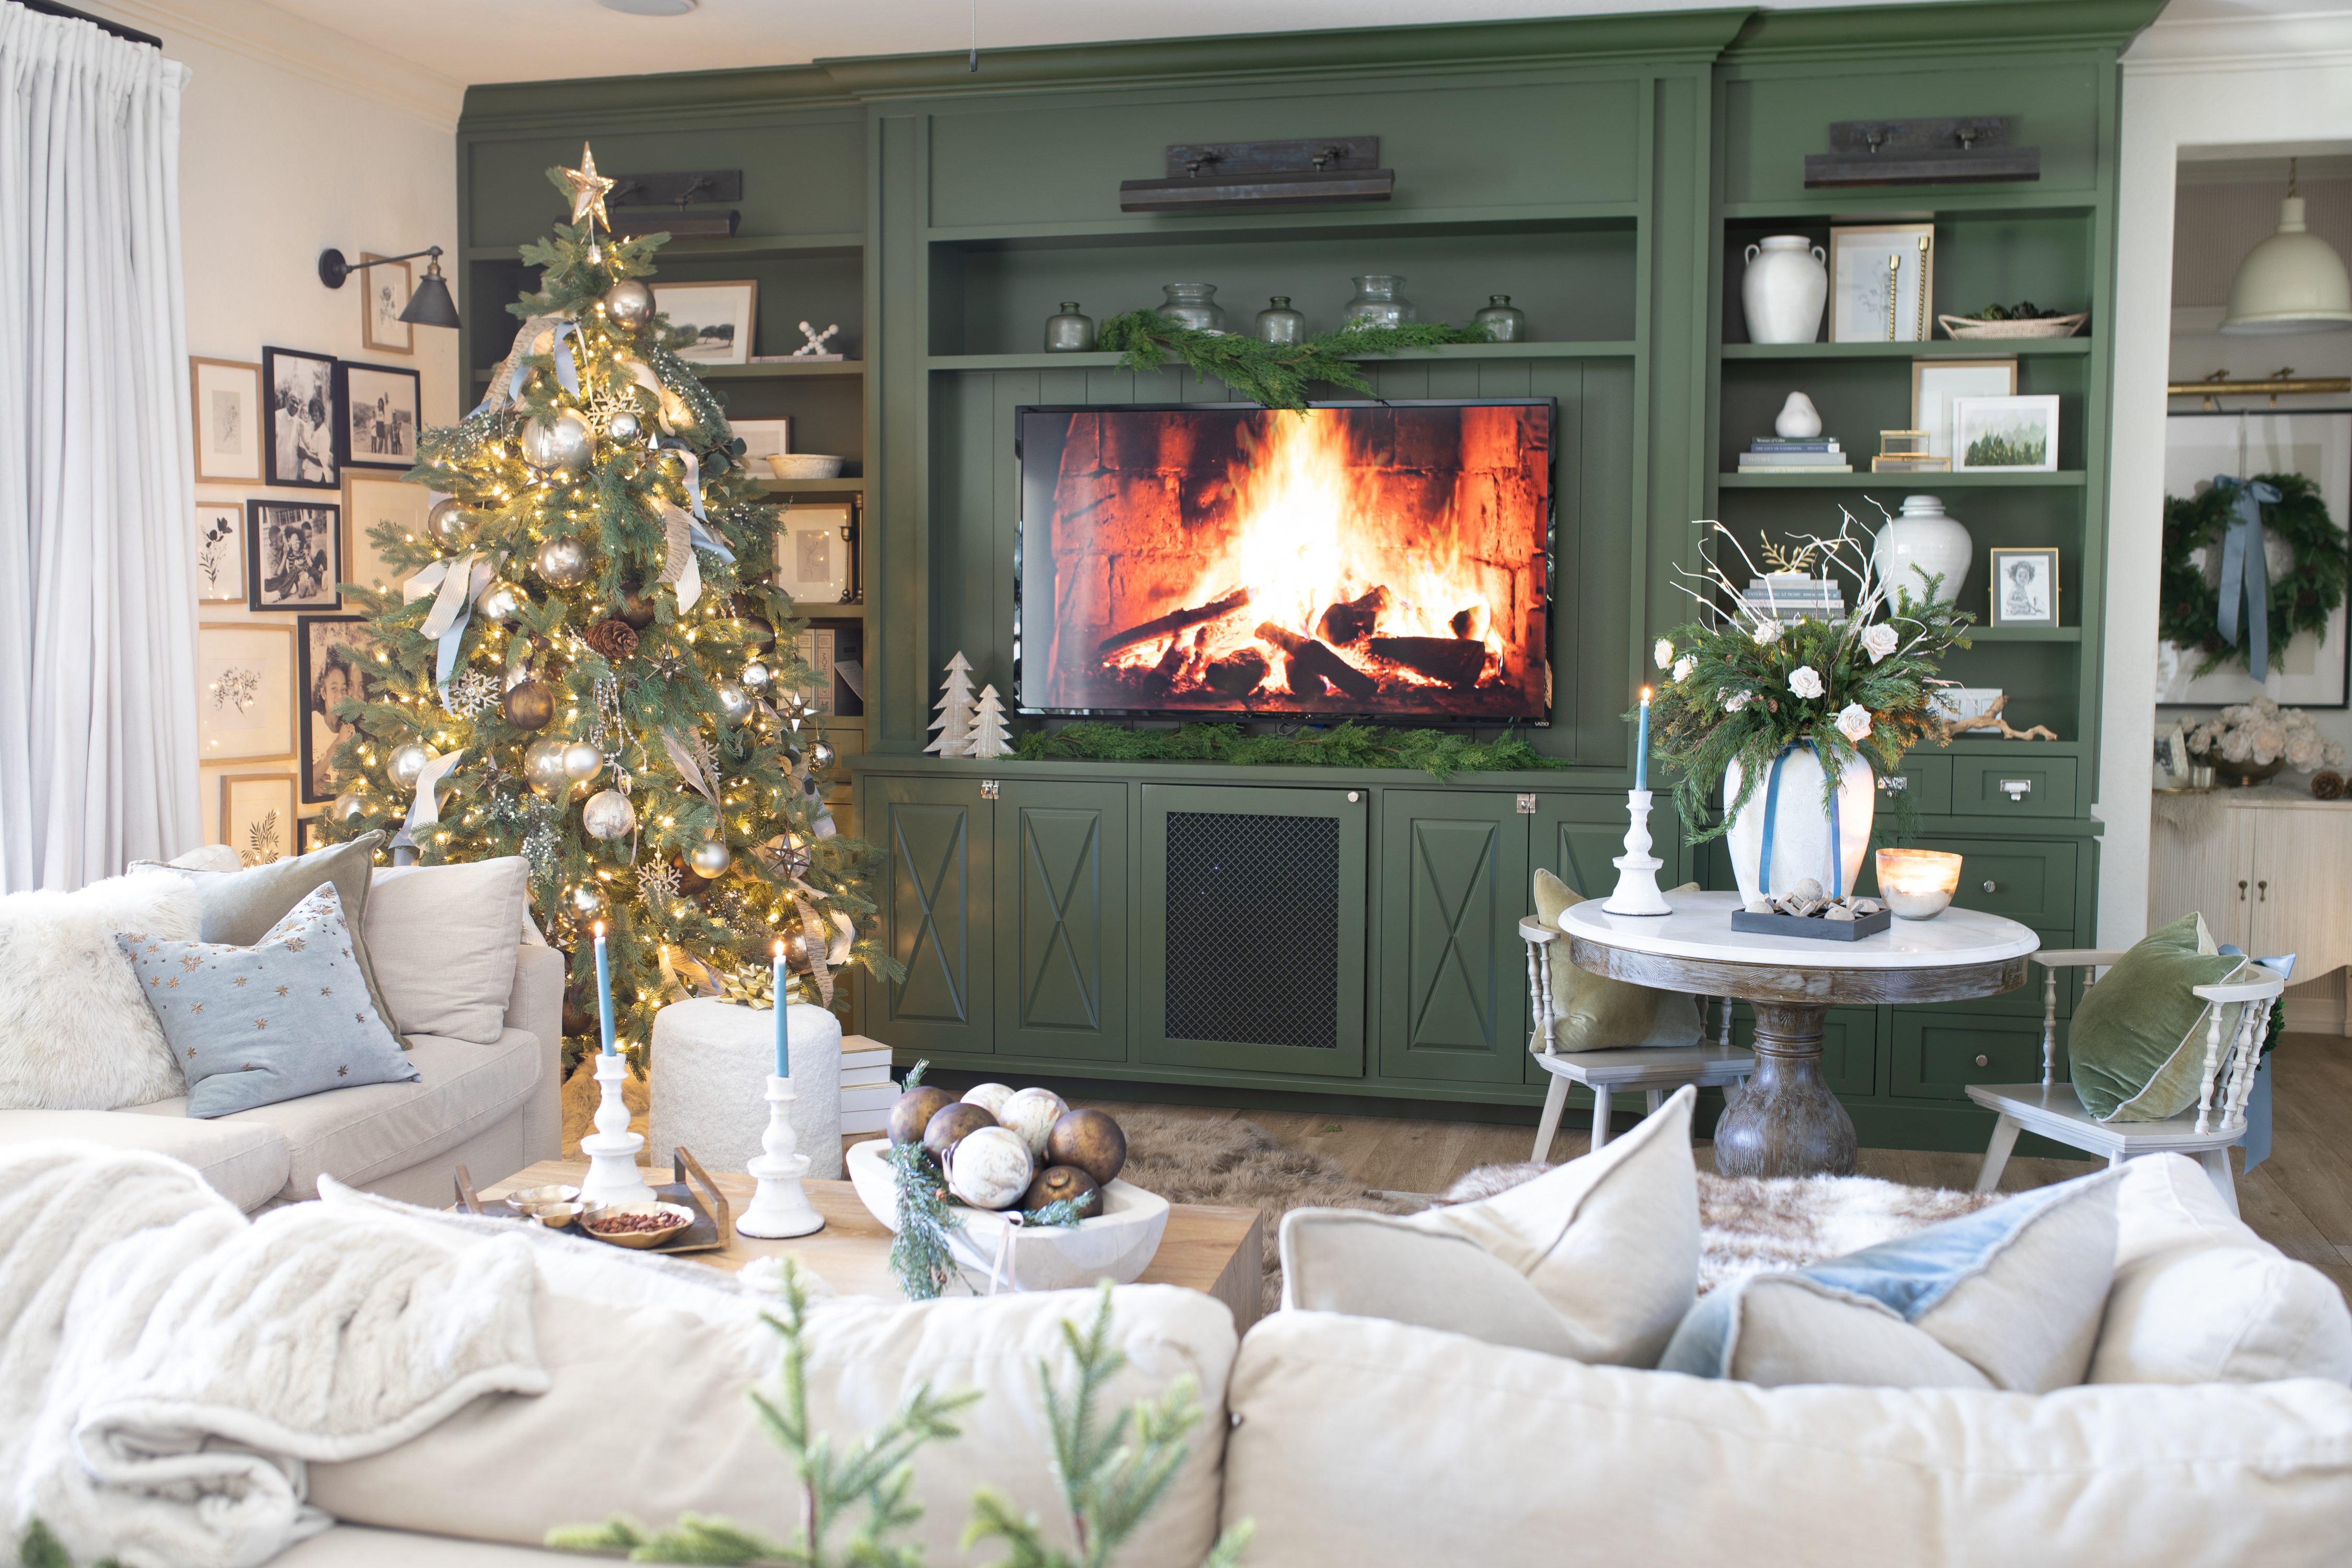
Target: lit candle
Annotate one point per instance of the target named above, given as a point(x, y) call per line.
point(604, 990)
point(1642, 746)
point(784, 1041)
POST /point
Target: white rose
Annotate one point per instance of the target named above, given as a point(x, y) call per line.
point(2304, 752)
point(1805, 681)
point(1664, 653)
point(1733, 701)
point(2268, 742)
point(1684, 665)
point(1766, 633)
point(1853, 721)
point(2334, 756)
point(2235, 746)
point(1879, 641)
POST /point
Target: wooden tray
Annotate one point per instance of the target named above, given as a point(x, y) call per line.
point(1812, 928)
point(713, 1227)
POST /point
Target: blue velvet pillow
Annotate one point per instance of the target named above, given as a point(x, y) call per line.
point(288, 1016)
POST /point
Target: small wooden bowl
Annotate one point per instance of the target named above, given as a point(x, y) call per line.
point(639, 1240)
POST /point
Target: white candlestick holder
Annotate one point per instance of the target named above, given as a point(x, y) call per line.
point(612, 1149)
point(781, 1208)
point(1637, 870)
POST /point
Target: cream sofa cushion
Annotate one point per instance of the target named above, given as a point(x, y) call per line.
point(1378, 1445)
point(443, 940)
point(1596, 1260)
point(354, 1546)
point(244, 1162)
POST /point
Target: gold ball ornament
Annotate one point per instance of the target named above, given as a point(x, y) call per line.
point(608, 815)
point(1088, 1141)
point(406, 764)
point(629, 303)
point(447, 522)
point(950, 1124)
point(503, 603)
point(734, 702)
point(581, 762)
point(709, 859)
point(559, 445)
point(636, 607)
point(529, 705)
point(542, 764)
point(1057, 1183)
point(563, 563)
point(911, 1113)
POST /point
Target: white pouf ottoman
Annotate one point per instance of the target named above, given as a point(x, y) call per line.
point(710, 1083)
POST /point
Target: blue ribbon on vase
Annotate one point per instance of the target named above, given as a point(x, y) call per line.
point(2245, 575)
point(1771, 812)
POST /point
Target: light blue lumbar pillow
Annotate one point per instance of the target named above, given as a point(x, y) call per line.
point(288, 1016)
point(2007, 1297)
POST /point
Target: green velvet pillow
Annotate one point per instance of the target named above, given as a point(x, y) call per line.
point(1595, 1013)
point(2137, 1051)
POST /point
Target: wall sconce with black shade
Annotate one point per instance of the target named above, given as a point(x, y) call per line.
point(429, 304)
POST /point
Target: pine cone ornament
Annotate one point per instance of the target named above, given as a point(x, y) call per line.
point(2327, 785)
point(616, 639)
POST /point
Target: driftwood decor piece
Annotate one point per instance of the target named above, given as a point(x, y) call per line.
point(1990, 719)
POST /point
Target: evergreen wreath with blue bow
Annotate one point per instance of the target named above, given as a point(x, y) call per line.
point(2218, 623)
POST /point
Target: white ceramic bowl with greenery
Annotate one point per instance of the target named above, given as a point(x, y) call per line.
point(1116, 1245)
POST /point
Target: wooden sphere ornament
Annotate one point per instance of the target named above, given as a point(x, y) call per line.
point(990, 1168)
point(1057, 1183)
point(1032, 1113)
point(913, 1111)
point(991, 1098)
point(1091, 1141)
point(529, 705)
point(950, 1124)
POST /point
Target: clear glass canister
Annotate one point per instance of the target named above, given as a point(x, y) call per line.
point(1193, 305)
point(1505, 322)
point(1069, 333)
point(1278, 323)
point(1378, 302)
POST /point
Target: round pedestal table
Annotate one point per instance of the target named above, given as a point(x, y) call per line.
point(1788, 1123)
point(710, 1090)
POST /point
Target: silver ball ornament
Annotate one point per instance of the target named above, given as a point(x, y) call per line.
point(561, 443)
point(587, 898)
point(542, 764)
point(629, 303)
point(581, 762)
point(734, 702)
point(624, 426)
point(756, 675)
point(709, 859)
point(608, 815)
point(447, 522)
point(563, 562)
point(822, 754)
point(502, 603)
point(407, 765)
point(990, 1168)
point(347, 805)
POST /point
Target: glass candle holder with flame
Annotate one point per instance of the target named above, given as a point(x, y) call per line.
point(1917, 884)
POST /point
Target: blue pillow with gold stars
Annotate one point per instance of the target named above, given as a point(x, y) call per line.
point(288, 1016)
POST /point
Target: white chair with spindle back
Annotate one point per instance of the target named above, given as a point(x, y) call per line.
point(1656, 1069)
point(2051, 1108)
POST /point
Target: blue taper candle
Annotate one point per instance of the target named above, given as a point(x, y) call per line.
point(783, 1039)
point(1642, 746)
point(604, 990)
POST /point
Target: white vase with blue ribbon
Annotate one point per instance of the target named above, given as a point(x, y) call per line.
point(1785, 834)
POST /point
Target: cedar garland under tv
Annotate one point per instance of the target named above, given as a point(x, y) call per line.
point(1382, 560)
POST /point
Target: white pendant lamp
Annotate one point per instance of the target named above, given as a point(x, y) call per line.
point(2292, 282)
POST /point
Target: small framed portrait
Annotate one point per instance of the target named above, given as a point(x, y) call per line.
point(257, 816)
point(721, 316)
point(293, 556)
point(338, 661)
point(245, 692)
point(372, 500)
point(2170, 765)
point(382, 300)
point(2025, 587)
point(227, 398)
point(300, 444)
point(1936, 382)
point(220, 553)
point(816, 546)
point(2005, 434)
point(1882, 282)
point(377, 426)
point(762, 439)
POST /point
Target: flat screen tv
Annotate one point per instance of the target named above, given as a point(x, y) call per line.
point(1386, 561)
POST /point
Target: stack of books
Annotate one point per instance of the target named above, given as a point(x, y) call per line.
point(1782, 454)
point(866, 1091)
point(1791, 596)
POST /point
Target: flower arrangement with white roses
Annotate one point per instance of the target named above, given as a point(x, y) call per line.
point(1739, 685)
point(2261, 733)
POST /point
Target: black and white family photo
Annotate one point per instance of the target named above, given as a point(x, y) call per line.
point(2025, 587)
point(302, 389)
point(293, 553)
point(334, 668)
point(379, 405)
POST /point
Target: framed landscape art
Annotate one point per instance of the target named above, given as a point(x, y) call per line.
point(299, 438)
point(722, 315)
point(377, 416)
point(2005, 434)
point(245, 692)
point(293, 556)
point(226, 395)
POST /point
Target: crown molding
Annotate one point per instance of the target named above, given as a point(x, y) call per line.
point(2310, 41)
point(270, 37)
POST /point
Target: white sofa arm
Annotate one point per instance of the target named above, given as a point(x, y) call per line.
point(536, 1004)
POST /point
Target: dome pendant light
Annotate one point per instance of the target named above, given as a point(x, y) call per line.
point(2292, 282)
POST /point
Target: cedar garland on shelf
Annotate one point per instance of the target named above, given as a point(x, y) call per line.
point(2189, 614)
point(1441, 753)
point(1276, 374)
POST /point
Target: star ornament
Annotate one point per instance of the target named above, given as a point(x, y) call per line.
point(588, 188)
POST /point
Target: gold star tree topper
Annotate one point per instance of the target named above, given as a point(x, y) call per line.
point(588, 188)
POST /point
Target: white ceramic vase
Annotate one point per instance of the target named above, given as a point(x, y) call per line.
point(1924, 543)
point(1783, 291)
point(1802, 845)
point(1798, 420)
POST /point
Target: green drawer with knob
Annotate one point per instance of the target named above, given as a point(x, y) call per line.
point(1937, 1054)
point(2030, 881)
point(1925, 782)
point(2022, 783)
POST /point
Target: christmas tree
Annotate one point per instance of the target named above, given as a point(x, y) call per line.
point(584, 654)
point(989, 737)
point(954, 710)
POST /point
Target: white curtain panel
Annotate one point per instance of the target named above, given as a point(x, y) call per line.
point(98, 726)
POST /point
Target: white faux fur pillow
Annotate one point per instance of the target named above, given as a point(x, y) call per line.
point(74, 1034)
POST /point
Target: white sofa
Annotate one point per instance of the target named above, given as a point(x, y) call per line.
point(493, 1107)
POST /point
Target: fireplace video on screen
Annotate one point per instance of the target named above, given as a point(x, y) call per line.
point(1384, 560)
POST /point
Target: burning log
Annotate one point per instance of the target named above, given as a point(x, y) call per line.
point(1353, 620)
point(1162, 678)
point(1307, 683)
point(1173, 621)
point(1237, 676)
point(1309, 657)
point(1449, 659)
point(1472, 623)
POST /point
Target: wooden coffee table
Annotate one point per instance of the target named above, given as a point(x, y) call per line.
point(1216, 1251)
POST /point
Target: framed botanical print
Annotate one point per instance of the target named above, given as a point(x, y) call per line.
point(2025, 587)
point(245, 692)
point(293, 556)
point(377, 423)
point(384, 295)
point(336, 663)
point(220, 553)
point(257, 816)
point(299, 442)
point(724, 316)
point(816, 544)
point(1882, 282)
point(228, 419)
point(372, 500)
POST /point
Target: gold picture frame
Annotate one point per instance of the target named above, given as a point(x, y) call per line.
point(1936, 383)
point(384, 295)
point(371, 497)
point(1872, 302)
point(230, 423)
point(245, 692)
point(257, 816)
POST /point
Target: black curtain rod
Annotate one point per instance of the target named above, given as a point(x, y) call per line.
point(50, 9)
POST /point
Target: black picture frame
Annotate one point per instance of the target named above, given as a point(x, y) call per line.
point(317, 666)
point(298, 388)
point(379, 414)
point(293, 556)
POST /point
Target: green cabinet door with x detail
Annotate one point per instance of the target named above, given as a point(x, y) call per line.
point(937, 838)
point(1061, 920)
point(1454, 972)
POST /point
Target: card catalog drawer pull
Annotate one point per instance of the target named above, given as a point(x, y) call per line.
point(2016, 789)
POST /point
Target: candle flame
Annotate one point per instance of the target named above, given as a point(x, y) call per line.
point(780, 951)
point(600, 931)
point(1645, 697)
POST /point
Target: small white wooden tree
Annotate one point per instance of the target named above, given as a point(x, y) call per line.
point(988, 738)
point(954, 706)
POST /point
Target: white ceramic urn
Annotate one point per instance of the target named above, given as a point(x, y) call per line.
point(1802, 843)
point(1783, 289)
point(1924, 543)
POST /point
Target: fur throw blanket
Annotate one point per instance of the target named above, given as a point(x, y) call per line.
point(168, 1369)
